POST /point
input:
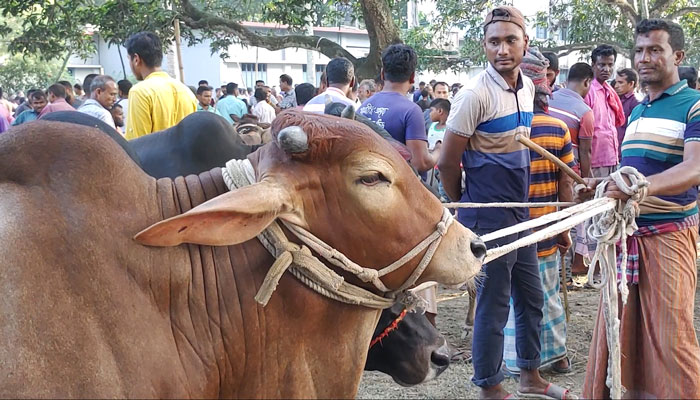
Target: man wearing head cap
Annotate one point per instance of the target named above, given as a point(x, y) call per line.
point(547, 184)
point(486, 115)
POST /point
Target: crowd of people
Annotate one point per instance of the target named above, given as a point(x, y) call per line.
point(462, 137)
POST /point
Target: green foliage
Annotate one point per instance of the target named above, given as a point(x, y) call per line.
point(22, 73)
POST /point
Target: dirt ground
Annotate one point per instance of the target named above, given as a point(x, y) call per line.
point(455, 381)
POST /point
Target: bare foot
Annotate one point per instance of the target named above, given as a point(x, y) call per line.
point(493, 392)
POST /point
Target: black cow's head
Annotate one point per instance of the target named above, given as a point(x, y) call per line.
point(412, 353)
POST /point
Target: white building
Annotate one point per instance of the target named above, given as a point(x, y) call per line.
point(244, 65)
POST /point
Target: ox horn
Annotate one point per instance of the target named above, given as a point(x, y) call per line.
point(293, 139)
point(348, 112)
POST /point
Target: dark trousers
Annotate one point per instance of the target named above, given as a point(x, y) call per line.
point(514, 275)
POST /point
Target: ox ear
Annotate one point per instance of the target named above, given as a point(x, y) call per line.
point(232, 218)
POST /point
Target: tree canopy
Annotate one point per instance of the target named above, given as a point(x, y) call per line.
point(50, 29)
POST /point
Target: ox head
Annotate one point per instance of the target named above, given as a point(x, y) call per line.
point(415, 352)
point(337, 179)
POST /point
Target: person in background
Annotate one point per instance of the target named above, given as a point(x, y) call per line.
point(690, 75)
point(485, 116)
point(124, 86)
point(57, 100)
point(262, 109)
point(6, 111)
point(204, 94)
point(379, 81)
point(424, 102)
point(117, 113)
point(547, 184)
point(366, 90)
point(203, 82)
point(231, 107)
point(38, 102)
point(71, 98)
point(158, 101)
point(441, 90)
point(340, 75)
point(289, 99)
point(607, 111)
point(26, 104)
point(418, 93)
point(439, 111)
point(102, 98)
point(304, 92)
point(552, 70)
point(78, 91)
point(391, 110)
point(86, 86)
point(568, 106)
point(625, 84)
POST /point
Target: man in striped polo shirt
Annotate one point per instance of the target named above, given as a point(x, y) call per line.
point(660, 352)
point(486, 115)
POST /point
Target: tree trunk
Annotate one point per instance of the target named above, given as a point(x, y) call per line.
point(381, 29)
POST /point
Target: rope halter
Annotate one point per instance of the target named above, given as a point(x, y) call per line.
point(304, 265)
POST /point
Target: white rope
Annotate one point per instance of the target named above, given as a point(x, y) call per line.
point(311, 271)
point(509, 205)
point(608, 228)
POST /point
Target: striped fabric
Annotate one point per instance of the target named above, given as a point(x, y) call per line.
point(553, 327)
point(660, 353)
point(490, 114)
point(553, 135)
point(654, 142)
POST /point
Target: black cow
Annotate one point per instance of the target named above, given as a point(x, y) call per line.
point(413, 353)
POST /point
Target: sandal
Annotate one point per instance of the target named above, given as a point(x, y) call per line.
point(558, 370)
point(552, 391)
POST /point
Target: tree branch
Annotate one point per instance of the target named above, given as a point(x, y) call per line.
point(627, 9)
point(682, 12)
point(196, 19)
point(659, 7)
point(570, 48)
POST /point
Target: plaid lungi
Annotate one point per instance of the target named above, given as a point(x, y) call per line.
point(553, 327)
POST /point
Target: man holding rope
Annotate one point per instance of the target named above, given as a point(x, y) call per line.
point(486, 115)
point(660, 356)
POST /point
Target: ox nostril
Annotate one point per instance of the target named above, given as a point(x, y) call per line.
point(478, 248)
point(440, 359)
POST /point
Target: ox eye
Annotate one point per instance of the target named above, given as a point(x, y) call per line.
point(371, 180)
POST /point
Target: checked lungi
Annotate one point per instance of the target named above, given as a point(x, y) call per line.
point(553, 326)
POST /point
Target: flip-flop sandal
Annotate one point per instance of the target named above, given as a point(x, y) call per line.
point(511, 396)
point(552, 391)
point(558, 370)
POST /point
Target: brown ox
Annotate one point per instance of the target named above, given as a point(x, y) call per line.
point(89, 312)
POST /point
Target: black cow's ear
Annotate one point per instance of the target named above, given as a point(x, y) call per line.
point(348, 112)
point(232, 218)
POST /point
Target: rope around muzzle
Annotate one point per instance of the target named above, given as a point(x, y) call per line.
point(305, 266)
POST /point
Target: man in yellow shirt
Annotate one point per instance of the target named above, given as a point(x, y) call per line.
point(158, 101)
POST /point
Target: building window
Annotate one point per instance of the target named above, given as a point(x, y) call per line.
point(249, 75)
point(541, 31)
point(319, 70)
point(564, 32)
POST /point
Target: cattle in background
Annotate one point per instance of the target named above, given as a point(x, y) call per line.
point(88, 312)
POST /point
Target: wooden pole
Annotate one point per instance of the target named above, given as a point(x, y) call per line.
point(178, 53)
point(564, 289)
point(551, 157)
